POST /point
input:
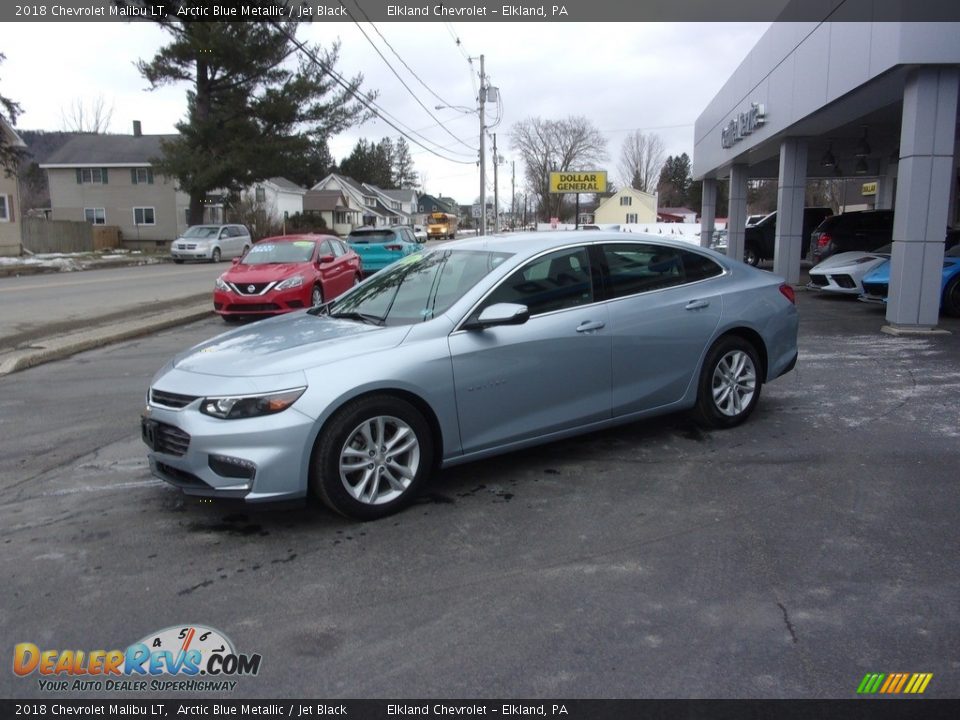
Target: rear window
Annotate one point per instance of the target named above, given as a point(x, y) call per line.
point(371, 236)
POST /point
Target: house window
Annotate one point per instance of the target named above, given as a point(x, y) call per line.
point(261, 195)
point(631, 218)
point(141, 176)
point(97, 216)
point(143, 216)
point(626, 201)
point(5, 206)
point(97, 176)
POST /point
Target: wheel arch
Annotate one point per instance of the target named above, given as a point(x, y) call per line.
point(751, 336)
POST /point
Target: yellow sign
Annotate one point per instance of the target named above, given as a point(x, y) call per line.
point(869, 189)
point(583, 181)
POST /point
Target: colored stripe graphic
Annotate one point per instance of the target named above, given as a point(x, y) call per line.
point(894, 683)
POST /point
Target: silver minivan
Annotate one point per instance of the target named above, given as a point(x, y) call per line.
point(211, 242)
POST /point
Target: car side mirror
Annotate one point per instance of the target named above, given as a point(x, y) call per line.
point(500, 314)
point(324, 259)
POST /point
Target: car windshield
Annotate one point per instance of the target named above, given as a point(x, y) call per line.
point(202, 231)
point(884, 249)
point(417, 288)
point(953, 252)
point(297, 251)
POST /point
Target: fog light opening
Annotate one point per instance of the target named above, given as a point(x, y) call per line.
point(232, 467)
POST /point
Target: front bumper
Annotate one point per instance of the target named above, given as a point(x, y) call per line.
point(259, 459)
point(196, 254)
point(840, 282)
point(274, 302)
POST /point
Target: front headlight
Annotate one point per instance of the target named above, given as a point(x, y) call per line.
point(291, 282)
point(247, 406)
point(221, 285)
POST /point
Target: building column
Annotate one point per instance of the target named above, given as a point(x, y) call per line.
point(886, 182)
point(737, 214)
point(923, 198)
point(708, 211)
point(791, 195)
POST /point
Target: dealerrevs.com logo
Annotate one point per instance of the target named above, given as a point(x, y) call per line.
point(178, 658)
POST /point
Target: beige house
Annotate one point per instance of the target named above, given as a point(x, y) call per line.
point(109, 180)
point(10, 237)
point(627, 206)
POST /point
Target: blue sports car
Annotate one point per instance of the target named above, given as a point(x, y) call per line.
point(876, 284)
point(462, 351)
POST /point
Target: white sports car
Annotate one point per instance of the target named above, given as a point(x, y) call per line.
point(843, 273)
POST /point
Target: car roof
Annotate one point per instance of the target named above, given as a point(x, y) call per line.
point(533, 243)
point(295, 238)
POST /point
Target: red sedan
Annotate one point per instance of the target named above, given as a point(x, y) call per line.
point(281, 274)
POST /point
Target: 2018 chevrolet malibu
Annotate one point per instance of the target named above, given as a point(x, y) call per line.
point(469, 349)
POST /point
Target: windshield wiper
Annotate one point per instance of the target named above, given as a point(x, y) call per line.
point(362, 317)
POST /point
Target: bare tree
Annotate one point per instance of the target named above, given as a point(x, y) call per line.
point(641, 159)
point(547, 146)
point(91, 115)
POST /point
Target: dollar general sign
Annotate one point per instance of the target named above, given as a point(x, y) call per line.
point(584, 181)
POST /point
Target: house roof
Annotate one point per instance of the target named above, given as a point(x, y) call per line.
point(402, 195)
point(284, 184)
point(15, 139)
point(108, 150)
point(325, 201)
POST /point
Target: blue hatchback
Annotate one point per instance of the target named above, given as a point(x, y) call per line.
point(876, 284)
point(378, 247)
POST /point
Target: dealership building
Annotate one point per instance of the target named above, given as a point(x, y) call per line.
point(844, 98)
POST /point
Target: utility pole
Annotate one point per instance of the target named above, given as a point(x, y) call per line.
point(483, 159)
point(513, 194)
point(496, 194)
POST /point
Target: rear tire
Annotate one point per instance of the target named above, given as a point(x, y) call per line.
point(372, 457)
point(951, 298)
point(178, 262)
point(729, 385)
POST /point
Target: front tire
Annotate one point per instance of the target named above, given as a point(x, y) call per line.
point(951, 298)
point(316, 296)
point(730, 383)
point(372, 457)
point(750, 256)
point(215, 255)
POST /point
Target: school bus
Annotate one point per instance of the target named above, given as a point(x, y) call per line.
point(441, 225)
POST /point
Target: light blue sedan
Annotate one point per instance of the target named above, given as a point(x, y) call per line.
point(466, 350)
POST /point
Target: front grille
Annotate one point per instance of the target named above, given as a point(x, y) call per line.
point(844, 281)
point(169, 399)
point(186, 246)
point(818, 280)
point(252, 307)
point(171, 440)
point(181, 477)
point(250, 288)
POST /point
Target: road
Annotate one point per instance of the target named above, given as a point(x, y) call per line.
point(34, 304)
point(784, 558)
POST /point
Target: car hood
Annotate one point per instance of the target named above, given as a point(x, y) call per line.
point(881, 274)
point(288, 343)
point(846, 258)
point(262, 273)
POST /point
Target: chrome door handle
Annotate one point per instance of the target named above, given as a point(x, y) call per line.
point(588, 325)
point(697, 304)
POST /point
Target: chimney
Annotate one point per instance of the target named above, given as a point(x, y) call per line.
point(136, 128)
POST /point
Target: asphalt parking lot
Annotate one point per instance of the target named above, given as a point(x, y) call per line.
point(784, 558)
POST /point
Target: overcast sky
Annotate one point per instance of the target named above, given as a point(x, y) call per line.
point(621, 76)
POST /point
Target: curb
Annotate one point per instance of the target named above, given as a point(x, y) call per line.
point(60, 346)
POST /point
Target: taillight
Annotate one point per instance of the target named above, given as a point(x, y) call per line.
point(823, 240)
point(787, 291)
point(393, 247)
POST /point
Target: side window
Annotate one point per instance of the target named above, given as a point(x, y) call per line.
point(698, 267)
point(556, 281)
point(335, 247)
point(326, 249)
point(638, 267)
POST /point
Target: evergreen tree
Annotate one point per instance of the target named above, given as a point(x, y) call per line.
point(256, 106)
point(10, 155)
point(674, 181)
point(404, 174)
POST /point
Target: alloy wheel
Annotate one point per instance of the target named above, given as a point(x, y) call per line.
point(734, 383)
point(379, 460)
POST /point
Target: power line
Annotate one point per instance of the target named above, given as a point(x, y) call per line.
point(407, 87)
point(368, 103)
